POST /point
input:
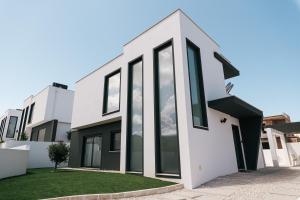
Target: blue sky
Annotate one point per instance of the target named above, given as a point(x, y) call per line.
point(62, 40)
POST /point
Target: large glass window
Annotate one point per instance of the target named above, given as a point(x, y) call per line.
point(196, 86)
point(135, 116)
point(41, 135)
point(166, 114)
point(31, 113)
point(112, 86)
point(12, 127)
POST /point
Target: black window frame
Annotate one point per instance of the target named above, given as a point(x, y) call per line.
point(2, 126)
point(112, 147)
point(25, 119)
point(31, 113)
point(129, 107)
point(105, 92)
point(21, 123)
point(157, 109)
point(190, 44)
point(15, 127)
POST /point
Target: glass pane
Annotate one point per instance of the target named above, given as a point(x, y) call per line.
point(41, 135)
point(11, 127)
point(117, 142)
point(193, 62)
point(113, 93)
point(97, 152)
point(88, 152)
point(136, 118)
point(169, 154)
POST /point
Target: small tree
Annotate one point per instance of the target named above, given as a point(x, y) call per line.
point(24, 137)
point(58, 153)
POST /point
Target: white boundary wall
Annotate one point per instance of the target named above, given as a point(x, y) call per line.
point(38, 155)
point(13, 162)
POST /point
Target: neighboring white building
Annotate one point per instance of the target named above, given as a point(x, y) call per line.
point(9, 124)
point(47, 115)
point(160, 109)
point(278, 151)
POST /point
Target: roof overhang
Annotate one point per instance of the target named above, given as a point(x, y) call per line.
point(235, 107)
point(287, 127)
point(229, 70)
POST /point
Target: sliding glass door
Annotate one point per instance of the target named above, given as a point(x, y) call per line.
point(92, 152)
point(167, 146)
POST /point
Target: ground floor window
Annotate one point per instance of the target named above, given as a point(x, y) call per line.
point(279, 144)
point(115, 141)
point(92, 152)
point(265, 143)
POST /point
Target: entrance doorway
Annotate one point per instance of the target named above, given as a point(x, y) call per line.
point(92, 152)
point(238, 148)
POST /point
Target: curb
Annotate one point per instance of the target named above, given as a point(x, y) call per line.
point(132, 194)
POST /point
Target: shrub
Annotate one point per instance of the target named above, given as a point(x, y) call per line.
point(58, 153)
point(24, 137)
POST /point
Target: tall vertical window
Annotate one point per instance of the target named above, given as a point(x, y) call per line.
point(167, 144)
point(112, 87)
point(135, 116)
point(31, 113)
point(115, 141)
point(196, 86)
point(12, 127)
point(20, 126)
point(25, 119)
point(2, 126)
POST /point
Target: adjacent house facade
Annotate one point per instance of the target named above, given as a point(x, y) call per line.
point(281, 144)
point(160, 109)
point(47, 115)
point(9, 123)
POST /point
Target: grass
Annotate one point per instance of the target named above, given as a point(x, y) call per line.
point(44, 183)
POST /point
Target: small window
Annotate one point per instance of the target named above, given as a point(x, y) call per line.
point(2, 126)
point(12, 127)
point(41, 135)
point(115, 141)
point(279, 144)
point(196, 86)
point(31, 113)
point(111, 102)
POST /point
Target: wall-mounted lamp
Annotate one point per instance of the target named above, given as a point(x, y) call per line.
point(223, 121)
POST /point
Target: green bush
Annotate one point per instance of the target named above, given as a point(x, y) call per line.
point(24, 137)
point(58, 153)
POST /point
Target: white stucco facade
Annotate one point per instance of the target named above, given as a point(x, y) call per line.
point(204, 153)
point(50, 104)
point(9, 124)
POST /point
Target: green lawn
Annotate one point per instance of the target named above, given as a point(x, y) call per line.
point(44, 183)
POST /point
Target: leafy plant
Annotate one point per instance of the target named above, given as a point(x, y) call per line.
point(58, 153)
point(23, 137)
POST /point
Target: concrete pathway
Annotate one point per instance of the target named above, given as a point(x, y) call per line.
point(265, 184)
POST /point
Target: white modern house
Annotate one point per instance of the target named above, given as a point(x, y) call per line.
point(160, 109)
point(9, 123)
point(279, 149)
point(47, 115)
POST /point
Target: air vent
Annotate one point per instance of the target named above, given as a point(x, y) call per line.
point(58, 85)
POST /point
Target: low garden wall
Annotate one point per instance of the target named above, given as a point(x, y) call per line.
point(38, 155)
point(13, 162)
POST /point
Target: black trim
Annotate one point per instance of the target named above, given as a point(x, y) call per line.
point(105, 92)
point(229, 70)
point(31, 113)
point(25, 119)
point(128, 141)
point(293, 127)
point(202, 99)
point(20, 126)
point(156, 106)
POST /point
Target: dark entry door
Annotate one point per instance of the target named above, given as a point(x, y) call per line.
point(238, 148)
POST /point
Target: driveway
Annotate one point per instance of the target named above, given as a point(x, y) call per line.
point(265, 184)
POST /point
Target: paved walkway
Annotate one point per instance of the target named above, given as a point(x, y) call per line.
point(266, 184)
